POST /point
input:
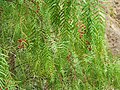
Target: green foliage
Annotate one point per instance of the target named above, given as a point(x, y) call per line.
point(58, 44)
point(6, 80)
point(3, 70)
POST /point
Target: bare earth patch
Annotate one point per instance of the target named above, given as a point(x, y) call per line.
point(113, 26)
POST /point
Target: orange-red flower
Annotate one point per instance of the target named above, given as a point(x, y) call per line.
point(21, 40)
point(21, 43)
point(20, 46)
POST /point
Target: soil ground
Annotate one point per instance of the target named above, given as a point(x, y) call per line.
point(113, 26)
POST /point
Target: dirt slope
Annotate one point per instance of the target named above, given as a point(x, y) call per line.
point(113, 26)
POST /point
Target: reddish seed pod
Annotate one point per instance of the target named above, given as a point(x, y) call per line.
point(89, 48)
point(79, 31)
point(20, 40)
point(81, 36)
point(87, 42)
point(82, 32)
point(20, 46)
point(37, 11)
point(83, 26)
point(68, 57)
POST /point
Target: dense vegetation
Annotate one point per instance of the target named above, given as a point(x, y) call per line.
point(55, 45)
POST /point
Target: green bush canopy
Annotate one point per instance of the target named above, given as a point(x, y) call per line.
point(55, 45)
